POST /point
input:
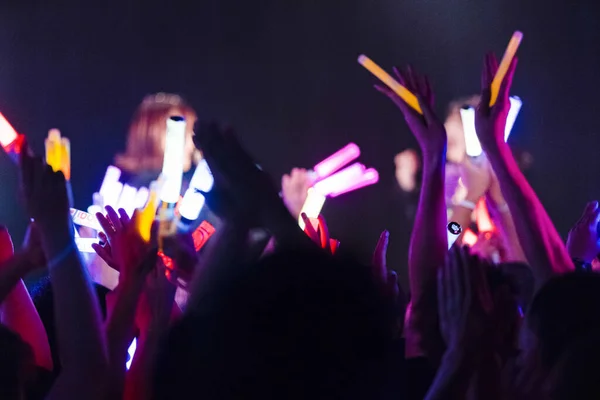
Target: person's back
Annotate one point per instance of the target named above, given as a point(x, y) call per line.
point(295, 325)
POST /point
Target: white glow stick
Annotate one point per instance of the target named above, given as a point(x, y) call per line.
point(172, 169)
point(84, 245)
point(192, 201)
point(312, 206)
point(127, 199)
point(111, 196)
point(467, 115)
point(141, 197)
point(131, 352)
point(112, 176)
point(84, 219)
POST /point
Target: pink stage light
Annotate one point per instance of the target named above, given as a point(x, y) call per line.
point(336, 161)
point(340, 181)
point(369, 177)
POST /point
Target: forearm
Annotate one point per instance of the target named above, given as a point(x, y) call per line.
point(429, 240)
point(11, 273)
point(506, 226)
point(19, 314)
point(452, 378)
point(77, 316)
point(541, 244)
point(140, 377)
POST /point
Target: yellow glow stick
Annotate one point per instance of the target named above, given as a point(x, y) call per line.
point(58, 153)
point(405, 94)
point(65, 161)
point(312, 206)
point(145, 217)
point(509, 54)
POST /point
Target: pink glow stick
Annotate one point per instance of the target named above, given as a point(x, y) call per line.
point(369, 177)
point(341, 180)
point(336, 161)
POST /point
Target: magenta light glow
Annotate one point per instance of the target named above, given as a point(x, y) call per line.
point(337, 160)
point(369, 177)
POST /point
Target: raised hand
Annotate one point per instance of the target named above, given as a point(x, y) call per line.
point(491, 121)
point(427, 128)
point(464, 300)
point(583, 241)
point(122, 246)
point(294, 189)
point(45, 193)
point(477, 178)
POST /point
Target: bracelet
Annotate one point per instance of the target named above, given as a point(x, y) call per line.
point(61, 256)
point(469, 205)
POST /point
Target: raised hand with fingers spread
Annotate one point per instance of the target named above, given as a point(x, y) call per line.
point(294, 189)
point(429, 241)
point(583, 242)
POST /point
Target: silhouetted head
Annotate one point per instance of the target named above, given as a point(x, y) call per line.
point(295, 325)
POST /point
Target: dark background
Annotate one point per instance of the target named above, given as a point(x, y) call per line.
point(284, 73)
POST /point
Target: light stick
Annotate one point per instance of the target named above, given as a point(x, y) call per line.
point(406, 95)
point(192, 201)
point(467, 115)
point(110, 188)
point(509, 54)
point(85, 219)
point(172, 170)
point(141, 197)
point(9, 139)
point(484, 222)
point(146, 215)
point(127, 199)
point(84, 245)
point(369, 177)
point(58, 152)
point(312, 206)
point(336, 161)
point(340, 180)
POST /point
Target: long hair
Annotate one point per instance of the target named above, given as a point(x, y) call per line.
point(147, 133)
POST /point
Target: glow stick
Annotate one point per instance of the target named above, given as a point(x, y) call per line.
point(192, 201)
point(85, 219)
point(84, 245)
point(406, 95)
point(58, 153)
point(131, 352)
point(484, 222)
point(369, 177)
point(65, 164)
point(312, 206)
point(172, 170)
point(336, 161)
point(467, 115)
point(108, 189)
point(111, 197)
point(127, 199)
point(509, 54)
point(454, 231)
point(145, 218)
point(340, 180)
point(141, 197)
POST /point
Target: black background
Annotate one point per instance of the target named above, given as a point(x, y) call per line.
point(284, 73)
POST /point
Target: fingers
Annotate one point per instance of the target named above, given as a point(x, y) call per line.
point(428, 114)
point(123, 217)
point(107, 227)
point(379, 256)
point(308, 228)
point(506, 84)
point(113, 217)
point(486, 73)
point(399, 76)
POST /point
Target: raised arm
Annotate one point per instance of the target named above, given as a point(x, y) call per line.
point(17, 310)
point(541, 244)
point(78, 323)
point(429, 241)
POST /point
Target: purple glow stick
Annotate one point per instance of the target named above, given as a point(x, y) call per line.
point(369, 177)
point(336, 161)
point(339, 181)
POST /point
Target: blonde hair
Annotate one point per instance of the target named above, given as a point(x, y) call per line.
point(147, 131)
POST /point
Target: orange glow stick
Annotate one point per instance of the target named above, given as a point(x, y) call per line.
point(405, 94)
point(509, 54)
point(482, 216)
point(469, 238)
point(58, 153)
point(145, 217)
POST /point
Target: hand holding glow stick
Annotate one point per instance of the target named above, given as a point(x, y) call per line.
point(312, 206)
point(509, 54)
point(384, 77)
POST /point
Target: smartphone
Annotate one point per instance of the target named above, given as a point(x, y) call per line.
point(467, 115)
